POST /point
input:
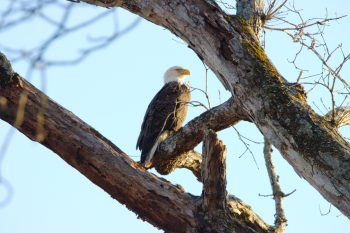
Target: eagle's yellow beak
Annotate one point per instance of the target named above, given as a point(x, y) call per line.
point(185, 72)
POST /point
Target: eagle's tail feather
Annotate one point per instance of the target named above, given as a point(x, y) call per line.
point(147, 157)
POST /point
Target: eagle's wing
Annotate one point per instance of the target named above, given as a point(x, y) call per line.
point(165, 113)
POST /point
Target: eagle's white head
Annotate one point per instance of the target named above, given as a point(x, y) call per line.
point(175, 74)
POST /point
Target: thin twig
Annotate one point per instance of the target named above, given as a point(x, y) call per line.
point(247, 146)
point(326, 213)
point(206, 84)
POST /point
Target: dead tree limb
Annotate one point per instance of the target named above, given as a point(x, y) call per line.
point(174, 151)
point(278, 195)
point(218, 211)
point(214, 174)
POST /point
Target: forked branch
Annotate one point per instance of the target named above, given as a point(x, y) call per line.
point(174, 151)
point(339, 117)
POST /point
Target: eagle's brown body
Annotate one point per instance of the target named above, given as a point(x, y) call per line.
point(165, 115)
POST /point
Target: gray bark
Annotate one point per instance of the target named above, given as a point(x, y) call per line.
point(252, 12)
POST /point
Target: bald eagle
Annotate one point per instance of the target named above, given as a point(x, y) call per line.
point(165, 114)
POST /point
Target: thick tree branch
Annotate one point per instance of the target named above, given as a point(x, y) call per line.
point(173, 152)
point(238, 210)
point(191, 161)
point(228, 46)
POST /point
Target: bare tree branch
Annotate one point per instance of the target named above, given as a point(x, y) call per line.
point(20, 11)
point(172, 152)
point(273, 9)
point(278, 195)
point(298, 27)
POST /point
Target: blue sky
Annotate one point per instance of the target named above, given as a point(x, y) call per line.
point(110, 91)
